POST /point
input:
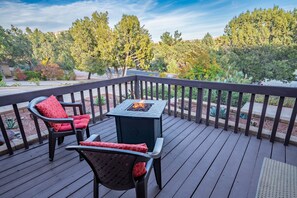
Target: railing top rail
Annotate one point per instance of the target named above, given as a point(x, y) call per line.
point(245, 88)
point(27, 96)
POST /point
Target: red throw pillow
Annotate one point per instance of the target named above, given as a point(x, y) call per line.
point(52, 108)
point(139, 168)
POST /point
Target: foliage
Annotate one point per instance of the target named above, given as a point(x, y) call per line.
point(158, 64)
point(15, 48)
point(84, 49)
point(69, 75)
point(197, 64)
point(168, 39)
point(102, 101)
point(222, 112)
point(133, 46)
point(273, 100)
point(208, 40)
point(261, 27)
point(263, 62)
point(16, 84)
point(32, 74)
point(19, 74)
point(35, 80)
point(51, 48)
point(243, 116)
point(10, 123)
point(51, 71)
point(3, 83)
point(1, 77)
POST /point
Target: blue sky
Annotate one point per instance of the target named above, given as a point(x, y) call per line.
point(193, 18)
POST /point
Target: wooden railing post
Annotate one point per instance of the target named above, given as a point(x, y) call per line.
point(136, 88)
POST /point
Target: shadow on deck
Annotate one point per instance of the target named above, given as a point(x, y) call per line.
point(197, 160)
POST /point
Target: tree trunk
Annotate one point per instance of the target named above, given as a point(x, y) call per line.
point(89, 76)
point(124, 73)
point(109, 73)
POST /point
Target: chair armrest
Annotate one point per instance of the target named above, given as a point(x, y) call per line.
point(157, 149)
point(74, 104)
point(93, 138)
point(56, 120)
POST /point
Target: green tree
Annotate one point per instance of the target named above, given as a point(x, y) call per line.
point(84, 45)
point(15, 48)
point(262, 27)
point(208, 40)
point(168, 39)
point(133, 46)
point(262, 62)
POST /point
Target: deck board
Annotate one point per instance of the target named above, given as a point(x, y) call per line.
point(197, 161)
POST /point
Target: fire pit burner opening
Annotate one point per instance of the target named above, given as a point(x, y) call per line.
point(139, 106)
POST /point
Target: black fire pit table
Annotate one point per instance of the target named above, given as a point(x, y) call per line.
point(139, 121)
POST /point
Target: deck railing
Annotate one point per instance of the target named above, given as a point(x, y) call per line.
point(191, 99)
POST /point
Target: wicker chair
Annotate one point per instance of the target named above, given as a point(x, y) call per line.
point(54, 135)
point(113, 168)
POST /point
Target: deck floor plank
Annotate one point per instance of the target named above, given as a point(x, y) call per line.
point(212, 175)
point(241, 183)
point(228, 175)
point(264, 151)
point(197, 161)
point(291, 155)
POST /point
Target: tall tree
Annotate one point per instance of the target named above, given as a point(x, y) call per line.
point(168, 39)
point(15, 48)
point(133, 46)
point(84, 46)
point(208, 40)
point(261, 27)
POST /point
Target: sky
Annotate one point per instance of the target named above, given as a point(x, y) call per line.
point(192, 18)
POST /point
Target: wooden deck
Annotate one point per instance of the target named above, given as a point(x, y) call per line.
point(197, 161)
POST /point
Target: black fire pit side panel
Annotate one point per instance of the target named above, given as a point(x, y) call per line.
point(138, 130)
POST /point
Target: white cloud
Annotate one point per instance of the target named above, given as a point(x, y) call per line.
point(193, 21)
point(60, 17)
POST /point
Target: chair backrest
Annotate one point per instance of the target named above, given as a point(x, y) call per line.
point(34, 111)
point(32, 104)
point(113, 168)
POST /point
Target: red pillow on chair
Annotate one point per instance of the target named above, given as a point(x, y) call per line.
point(139, 168)
point(52, 108)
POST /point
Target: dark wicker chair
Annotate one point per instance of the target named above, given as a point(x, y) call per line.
point(52, 135)
point(113, 167)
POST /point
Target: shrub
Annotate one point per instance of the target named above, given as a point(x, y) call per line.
point(52, 71)
point(20, 75)
point(35, 80)
point(32, 75)
point(222, 112)
point(3, 83)
point(10, 123)
point(0, 77)
point(69, 75)
point(103, 102)
point(273, 100)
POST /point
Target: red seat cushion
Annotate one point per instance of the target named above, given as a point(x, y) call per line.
point(52, 108)
point(139, 168)
point(80, 122)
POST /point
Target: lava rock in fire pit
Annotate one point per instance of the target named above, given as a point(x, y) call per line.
point(140, 106)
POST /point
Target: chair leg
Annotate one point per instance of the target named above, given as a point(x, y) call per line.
point(52, 145)
point(60, 140)
point(88, 131)
point(157, 170)
point(95, 188)
point(79, 137)
point(141, 189)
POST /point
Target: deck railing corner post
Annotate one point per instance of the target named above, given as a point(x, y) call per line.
point(136, 87)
